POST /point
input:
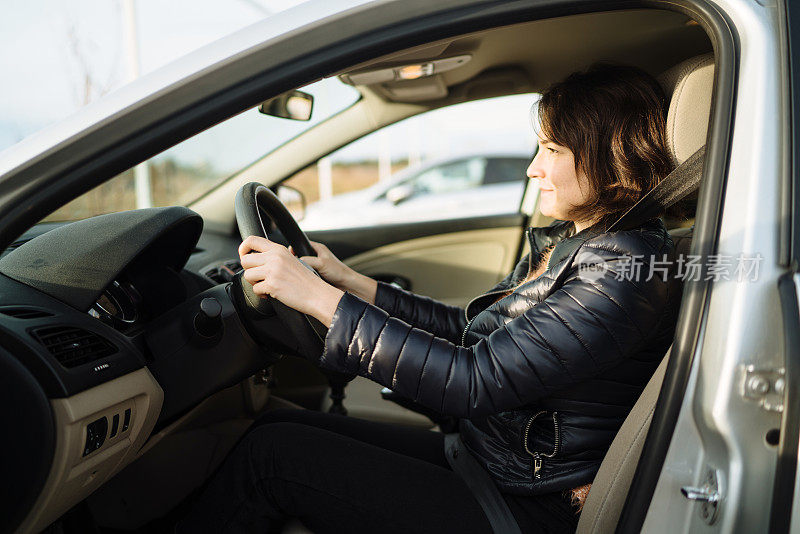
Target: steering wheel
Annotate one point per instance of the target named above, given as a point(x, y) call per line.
point(307, 334)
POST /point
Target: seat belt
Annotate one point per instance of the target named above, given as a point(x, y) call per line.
point(682, 181)
point(481, 486)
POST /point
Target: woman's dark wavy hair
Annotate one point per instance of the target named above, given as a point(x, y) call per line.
point(613, 119)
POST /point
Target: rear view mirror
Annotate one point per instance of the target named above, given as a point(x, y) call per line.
point(399, 193)
point(295, 105)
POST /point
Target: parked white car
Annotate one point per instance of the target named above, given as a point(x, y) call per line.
point(466, 186)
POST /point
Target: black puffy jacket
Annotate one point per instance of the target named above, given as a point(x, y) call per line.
point(543, 378)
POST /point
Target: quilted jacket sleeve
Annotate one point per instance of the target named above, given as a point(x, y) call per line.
point(439, 319)
point(593, 321)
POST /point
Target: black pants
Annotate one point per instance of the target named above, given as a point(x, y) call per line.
point(342, 474)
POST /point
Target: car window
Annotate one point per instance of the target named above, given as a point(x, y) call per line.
point(428, 167)
point(504, 170)
point(186, 171)
point(456, 176)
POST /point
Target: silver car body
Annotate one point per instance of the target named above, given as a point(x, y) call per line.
point(718, 428)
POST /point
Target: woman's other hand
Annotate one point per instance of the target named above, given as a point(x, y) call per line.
point(329, 266)
point(273, 271)
point(340, 275)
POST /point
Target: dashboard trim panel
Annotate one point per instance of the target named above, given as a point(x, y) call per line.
point(73, 477)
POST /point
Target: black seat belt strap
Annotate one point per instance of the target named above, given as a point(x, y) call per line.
point(481, 485)
point(682, 181)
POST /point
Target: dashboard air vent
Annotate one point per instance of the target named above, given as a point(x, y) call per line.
point(73, 346)
point(25, 313)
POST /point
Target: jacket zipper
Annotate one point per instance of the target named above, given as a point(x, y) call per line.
point(530, 253)
point(529, 232)
point(469, 321)
point(537, 456)
point(464, 333)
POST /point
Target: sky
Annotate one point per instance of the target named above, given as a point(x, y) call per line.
point(51, 46)
point(60, 55)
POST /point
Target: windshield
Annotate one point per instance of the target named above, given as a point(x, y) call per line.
point(186, 171)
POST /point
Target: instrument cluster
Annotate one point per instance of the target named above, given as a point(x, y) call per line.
point(119, 306)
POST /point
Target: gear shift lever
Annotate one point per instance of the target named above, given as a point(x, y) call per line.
point(337, 382)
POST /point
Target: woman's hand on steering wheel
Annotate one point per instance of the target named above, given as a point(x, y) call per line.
point(274, 271)
point(328, 266)
point(332, 270)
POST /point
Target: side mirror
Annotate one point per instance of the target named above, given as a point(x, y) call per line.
point(399, 193)
point(294, 201)
point(295, 105)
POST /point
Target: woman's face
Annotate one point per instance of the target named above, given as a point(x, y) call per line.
point(562, 187)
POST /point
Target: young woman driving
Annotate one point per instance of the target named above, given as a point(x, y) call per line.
point(541, 371)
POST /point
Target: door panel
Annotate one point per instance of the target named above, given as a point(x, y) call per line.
point(347, 242)
point(452, 267)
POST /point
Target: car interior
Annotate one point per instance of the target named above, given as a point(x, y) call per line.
point(130, 451)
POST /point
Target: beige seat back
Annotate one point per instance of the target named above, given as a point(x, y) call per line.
point(690, 85)
point(609, 489)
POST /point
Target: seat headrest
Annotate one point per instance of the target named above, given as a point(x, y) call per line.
point(690, 84)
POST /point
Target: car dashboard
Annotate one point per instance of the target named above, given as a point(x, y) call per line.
point(98, 320)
